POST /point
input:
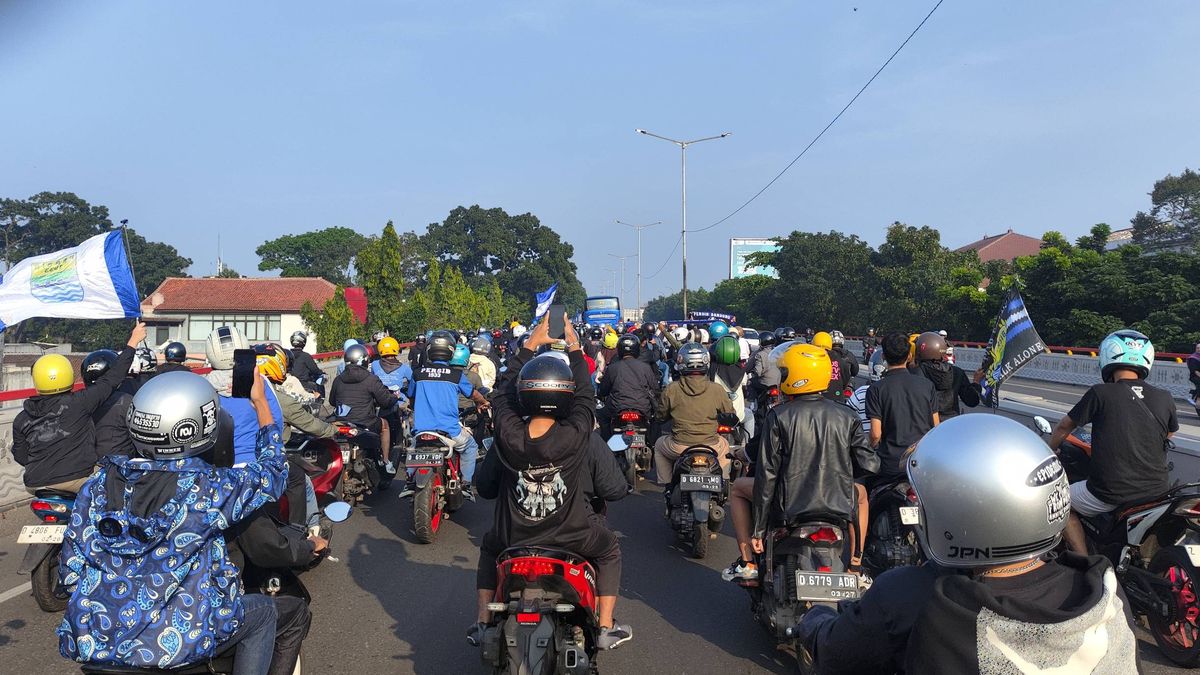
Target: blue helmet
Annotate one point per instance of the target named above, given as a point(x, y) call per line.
point(349, 343)
point(1126, 348)
point(717, 330)
point(462, 356)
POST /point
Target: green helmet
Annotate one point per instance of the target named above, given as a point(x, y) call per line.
point(727, 351)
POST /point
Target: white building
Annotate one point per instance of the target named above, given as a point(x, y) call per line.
point(264, 309)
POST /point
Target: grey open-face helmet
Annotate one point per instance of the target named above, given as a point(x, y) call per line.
point(221, 344)
point(173, 416)
point(989, 491)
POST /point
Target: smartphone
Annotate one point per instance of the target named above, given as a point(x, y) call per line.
point(244, 361)
point(558, 329)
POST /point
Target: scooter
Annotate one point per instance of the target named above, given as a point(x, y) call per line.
point(363, 468)
point(891, 540)
point(696, 497)
point(53, 508)
point(543, 615)
point(283, 582)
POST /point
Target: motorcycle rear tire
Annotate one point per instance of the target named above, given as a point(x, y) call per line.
point(700, 540)
point(44, 579)
point(1163, 561)
point(426, 519)
point(631, 474)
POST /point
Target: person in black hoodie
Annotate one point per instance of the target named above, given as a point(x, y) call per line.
point(992, 598)
point(357, 395)
point(112, 433)
point(628, 384)
point(303, 367)
point(54, 437)
point(950, 381)
point(545, 472)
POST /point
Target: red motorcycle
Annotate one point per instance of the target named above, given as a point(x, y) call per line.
point(544, 614)
point(321, 460)
point(437, 478)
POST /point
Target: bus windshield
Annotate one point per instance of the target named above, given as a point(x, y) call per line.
point(602, 303)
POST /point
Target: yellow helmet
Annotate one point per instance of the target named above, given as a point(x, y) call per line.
point(823, 340)
point(804, 369)
point(388, 346)
point(912, 346)
point(272, 361)
point(610, 340)
point(53, 374)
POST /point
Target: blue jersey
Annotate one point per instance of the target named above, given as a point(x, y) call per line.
point(434, 390)
point(400, 377)
point(245, 423)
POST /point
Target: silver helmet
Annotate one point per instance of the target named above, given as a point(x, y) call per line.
point(174, 415)
point(221, 344)
point(692, 358)
point(990, 492)
point(299, 339)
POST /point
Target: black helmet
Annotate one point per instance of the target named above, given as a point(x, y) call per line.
point(440, 346)
point(692, 358)
point(356, 355)
point(785, 333)
point(175, 352)
point(648, 330)
point(596, 334)
point(96, 364)
point(481, 346)
point(767, 339)
point(628, 345)
point(420, 338)
point(546, 387)
point(299, 339)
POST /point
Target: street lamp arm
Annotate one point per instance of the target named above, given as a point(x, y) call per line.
point(710, 138)
point(669, 140)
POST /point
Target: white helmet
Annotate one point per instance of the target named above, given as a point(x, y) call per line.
point(518, 330)
point(681, 333)
point(221, 344)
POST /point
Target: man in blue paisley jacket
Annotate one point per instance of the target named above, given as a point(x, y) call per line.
point(151, 581)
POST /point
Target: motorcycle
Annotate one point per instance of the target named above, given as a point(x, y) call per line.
point(891, 540)
point(1154, 548)
point(735, 436)
point(53, 508)
point(1075, 452)
point(363, 468)
point(696, 497)
point(437, 477)
point(801, 564)
point(321, 461)
point(634, 456)
point(543, 615)
point(279, 582)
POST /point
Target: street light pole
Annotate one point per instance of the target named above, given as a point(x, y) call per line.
point(623, 258)
point(639, 229)
point(683, 146)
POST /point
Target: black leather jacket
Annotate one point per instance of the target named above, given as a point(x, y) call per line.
point(812, 449)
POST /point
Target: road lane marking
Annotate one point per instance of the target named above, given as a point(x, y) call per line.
point(16, 592)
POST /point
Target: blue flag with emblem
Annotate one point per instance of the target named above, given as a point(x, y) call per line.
point(93, 280)
point(1013, 344)
point(544, 300)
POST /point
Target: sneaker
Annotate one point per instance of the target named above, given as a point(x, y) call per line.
point(468, 493)
point(611, 638)
point(409, 490)
point(390, 468)
point(740, 570)
point(475, 633)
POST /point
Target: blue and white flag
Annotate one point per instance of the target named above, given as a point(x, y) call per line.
point(544, 300)
point(90, 281)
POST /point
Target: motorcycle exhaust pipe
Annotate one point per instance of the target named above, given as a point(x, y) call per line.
point(716, 516)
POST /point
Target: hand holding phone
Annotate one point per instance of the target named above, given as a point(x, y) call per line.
point(558, 321)
point(245, 363)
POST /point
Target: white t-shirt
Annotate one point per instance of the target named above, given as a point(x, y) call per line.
point(858, 403)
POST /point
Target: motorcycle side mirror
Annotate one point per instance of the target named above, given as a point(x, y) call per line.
point(617, 443)
point(337, 511)
point(1042, 424)
point(488, 443)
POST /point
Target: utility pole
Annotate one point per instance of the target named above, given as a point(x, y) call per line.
point(622, 293)
point(639, 229)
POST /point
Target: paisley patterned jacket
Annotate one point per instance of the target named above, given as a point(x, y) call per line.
point(160, 591)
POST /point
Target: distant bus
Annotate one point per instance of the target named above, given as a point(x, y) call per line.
point(602, 309)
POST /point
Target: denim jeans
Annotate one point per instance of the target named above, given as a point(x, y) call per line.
point(255, 639)
point(664, 372)
point(468, 449)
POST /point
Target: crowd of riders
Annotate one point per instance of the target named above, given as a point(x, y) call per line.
point(178, 476)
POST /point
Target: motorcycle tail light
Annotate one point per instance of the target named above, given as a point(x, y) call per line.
point(1187, 508)
point(700, 461)
point(821, 535)
point(773, 392)
point(47, 510)
point(911, 496)
point(532, 568)
point(724, 429)
point(529, 618)
point(47, 518)
point(631, 416)
point(824, 568)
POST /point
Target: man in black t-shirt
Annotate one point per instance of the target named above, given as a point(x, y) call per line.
point(902, 407)
point(1131, 424)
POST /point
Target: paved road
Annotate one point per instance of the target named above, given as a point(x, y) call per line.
point(391, 605)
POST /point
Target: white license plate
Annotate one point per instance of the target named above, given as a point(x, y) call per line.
point(825, 586)
point(910, 515)
point(345, 455)
point(1193, 552)
point(689, 482)
point(41, 534)
point(423, 459)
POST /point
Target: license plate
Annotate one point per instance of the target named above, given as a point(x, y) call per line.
point(41, 534)
point(637, 439)
point(423, 459)
point(819, 586)
point(1193, 552)
point(345, 455)
point(910, 515)
point(690, 482)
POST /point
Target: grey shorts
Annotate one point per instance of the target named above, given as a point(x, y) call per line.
point(1085, 503)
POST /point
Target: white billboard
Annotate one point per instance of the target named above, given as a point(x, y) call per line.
point(740, 249)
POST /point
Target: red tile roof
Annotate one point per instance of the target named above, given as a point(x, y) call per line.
point(273, 294)
point(1005, 246)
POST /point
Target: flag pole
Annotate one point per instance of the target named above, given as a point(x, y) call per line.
point(132, 272)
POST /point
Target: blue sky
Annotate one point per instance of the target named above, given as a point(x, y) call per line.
point(259, 119)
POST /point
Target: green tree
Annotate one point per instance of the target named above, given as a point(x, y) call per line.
point(1097, 239)
point(334, 323)
point(522, 255)
point(228, 273)
point(1174, 217)
point(670, 307)
point(743, 298)
point(381, 274)
point(323, 253)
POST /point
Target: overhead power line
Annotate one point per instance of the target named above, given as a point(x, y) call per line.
point(827, 126)
point(669, 257)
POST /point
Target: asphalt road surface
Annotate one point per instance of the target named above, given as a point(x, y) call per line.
point(391, 605)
